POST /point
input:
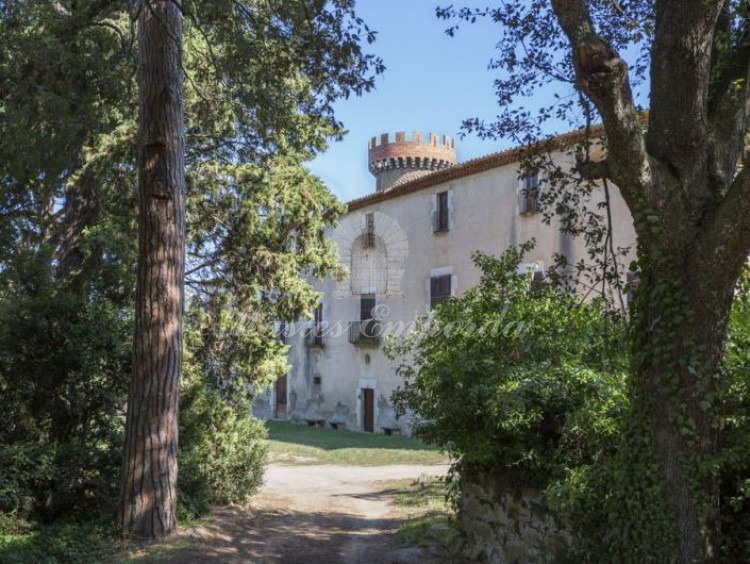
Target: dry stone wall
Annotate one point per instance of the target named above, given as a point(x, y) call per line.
point(499, 526)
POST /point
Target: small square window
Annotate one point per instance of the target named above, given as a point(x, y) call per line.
point(440, 289)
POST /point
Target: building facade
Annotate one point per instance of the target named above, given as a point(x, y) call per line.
point(407, 247)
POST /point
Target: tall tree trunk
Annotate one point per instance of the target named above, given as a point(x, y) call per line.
point(149, 482)
point(681, 328)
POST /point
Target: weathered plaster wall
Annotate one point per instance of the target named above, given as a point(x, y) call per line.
point(483, 216)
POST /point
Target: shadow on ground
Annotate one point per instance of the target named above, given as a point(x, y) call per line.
point(234, 535)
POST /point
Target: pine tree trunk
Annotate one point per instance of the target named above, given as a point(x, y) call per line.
point(149, 482)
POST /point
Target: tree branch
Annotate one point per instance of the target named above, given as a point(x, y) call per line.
point(603, 76)
point(725, 243)
point(729, 106)
point(680, 63)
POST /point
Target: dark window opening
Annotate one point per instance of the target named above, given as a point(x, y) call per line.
point(366, 307)
point(528, 196)
point(317, 329)
point(369, 234)
point(368, 326)
point(441, 218)
point(440, 289)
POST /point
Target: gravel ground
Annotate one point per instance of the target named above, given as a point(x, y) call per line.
point(312, 514)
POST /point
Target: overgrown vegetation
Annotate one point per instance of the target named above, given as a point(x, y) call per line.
point(686, 184)
point(260, 81)
point(532, 384)
point(527, 380)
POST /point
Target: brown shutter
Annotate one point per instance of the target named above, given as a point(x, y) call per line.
point(442, 209)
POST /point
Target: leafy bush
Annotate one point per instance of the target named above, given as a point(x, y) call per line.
point(515, 377)
point(66, 541)
point(734, 458)
point(222, 450)
point(64, 365)
point(533, 385)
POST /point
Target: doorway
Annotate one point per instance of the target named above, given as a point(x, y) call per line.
point(281, 397)
point(368, 409)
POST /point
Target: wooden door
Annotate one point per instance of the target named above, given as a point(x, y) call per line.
point(281, 397)
point(368, 400)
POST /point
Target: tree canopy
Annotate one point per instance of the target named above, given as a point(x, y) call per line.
point(680, 169)
point(260, 81)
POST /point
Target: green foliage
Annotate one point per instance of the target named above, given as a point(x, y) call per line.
point(682, 457)
point(545, 401)
point(70, 542)
point(222, 450)
point(734, 459)
point(523, 380)
point(260, 82)
point(63, 373)
point(614, 505)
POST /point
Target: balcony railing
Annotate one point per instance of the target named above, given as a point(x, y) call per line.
point(365, 332)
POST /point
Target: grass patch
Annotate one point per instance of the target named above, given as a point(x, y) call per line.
point(429, 518)
point(294, 444)
point(155, 552)
point(61, 542)
point(82, 542)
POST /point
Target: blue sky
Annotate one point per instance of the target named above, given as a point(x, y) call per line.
point(432, 83)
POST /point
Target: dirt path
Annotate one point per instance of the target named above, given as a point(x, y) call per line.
point(312, 514)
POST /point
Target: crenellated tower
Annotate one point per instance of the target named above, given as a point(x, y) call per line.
point(400, 161)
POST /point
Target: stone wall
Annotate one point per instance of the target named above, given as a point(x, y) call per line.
point(499, 526)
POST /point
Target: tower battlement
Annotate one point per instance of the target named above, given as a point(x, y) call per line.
point(392, 161)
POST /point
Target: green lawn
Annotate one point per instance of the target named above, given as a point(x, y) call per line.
point(292, 443)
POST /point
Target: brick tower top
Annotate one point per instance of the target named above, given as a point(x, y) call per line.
point(402, 160)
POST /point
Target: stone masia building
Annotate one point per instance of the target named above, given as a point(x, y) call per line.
point(407, 247)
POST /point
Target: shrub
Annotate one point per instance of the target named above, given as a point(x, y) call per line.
point(514, 377)
point(222, 450)
point(64, 365)
point(543, 401)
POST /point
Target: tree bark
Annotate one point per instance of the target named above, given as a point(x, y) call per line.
point(692, 218)
point(680, 330)
point(149, 481)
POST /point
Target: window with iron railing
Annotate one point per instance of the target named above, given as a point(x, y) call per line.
point(367, 328)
